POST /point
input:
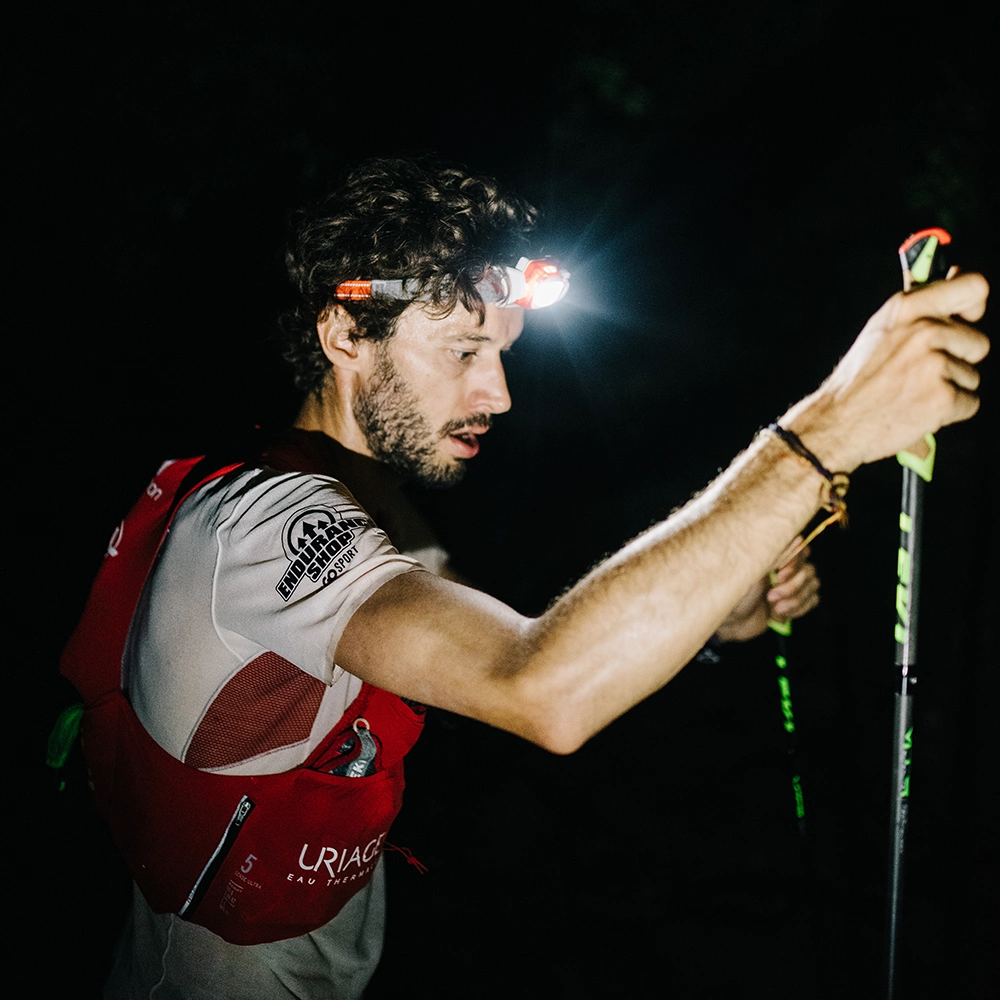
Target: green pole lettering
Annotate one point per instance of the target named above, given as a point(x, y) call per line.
point(903, 567)
point(800, 809)
point(902, 595)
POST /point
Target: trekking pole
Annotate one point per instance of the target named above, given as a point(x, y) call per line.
point(783, 631)
point(922, 262)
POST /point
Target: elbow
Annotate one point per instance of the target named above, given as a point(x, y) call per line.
point(561, 743)
point(561, 740)
point(551, 722)
point(543, 702)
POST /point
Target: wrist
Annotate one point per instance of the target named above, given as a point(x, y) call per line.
point(813, 423)
point(834, 484)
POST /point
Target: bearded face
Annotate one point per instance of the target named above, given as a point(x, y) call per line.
point(401, 436)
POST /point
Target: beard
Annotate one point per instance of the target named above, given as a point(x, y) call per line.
point(399, 435)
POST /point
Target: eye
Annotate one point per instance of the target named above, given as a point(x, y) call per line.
point(463, 356)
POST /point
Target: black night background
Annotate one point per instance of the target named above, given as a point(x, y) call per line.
point(728, 184)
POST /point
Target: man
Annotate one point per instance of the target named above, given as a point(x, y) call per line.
point(277, 616)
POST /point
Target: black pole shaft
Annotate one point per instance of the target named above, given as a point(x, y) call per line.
point(788, 718)
point(907, 606)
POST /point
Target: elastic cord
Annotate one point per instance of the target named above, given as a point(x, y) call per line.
point(835, 486)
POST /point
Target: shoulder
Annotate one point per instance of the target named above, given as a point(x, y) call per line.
point(303, 529)
point(249, 497)
point(258, 515)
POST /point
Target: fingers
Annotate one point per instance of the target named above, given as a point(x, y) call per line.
point(795, 594)
point(952, 381)
point(941, 354)
point(787, 610)
point(803, 578)
point(961, 374)
point(959, 340)
point(964, 295)
point(964, 406)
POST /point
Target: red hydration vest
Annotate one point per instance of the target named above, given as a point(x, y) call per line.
point(252, 858)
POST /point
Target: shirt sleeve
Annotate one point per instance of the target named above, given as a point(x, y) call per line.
point(297, 556)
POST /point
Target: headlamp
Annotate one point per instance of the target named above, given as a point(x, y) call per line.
point(532, 284)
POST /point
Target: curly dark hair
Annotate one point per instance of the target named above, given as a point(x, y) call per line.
point(421, 219)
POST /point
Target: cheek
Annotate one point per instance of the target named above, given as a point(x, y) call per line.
point(441, 385)
point(426, 375)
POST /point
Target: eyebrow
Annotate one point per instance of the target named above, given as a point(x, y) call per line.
point(476, 338)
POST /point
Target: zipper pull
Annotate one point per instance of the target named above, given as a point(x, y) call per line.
point(363, 764)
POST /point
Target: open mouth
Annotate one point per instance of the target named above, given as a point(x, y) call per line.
point(464, 434)
point(466, 443)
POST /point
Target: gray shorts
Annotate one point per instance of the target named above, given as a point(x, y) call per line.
point(164, 957)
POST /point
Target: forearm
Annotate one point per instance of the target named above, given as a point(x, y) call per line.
point(621, 633)
point(629, 626)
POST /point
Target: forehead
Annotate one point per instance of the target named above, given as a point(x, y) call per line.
point(500, 327)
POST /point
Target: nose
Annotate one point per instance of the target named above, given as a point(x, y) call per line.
point(490, 394)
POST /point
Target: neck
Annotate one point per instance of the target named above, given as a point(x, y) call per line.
point(328, 412)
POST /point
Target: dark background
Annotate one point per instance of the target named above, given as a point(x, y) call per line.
point(728, 185)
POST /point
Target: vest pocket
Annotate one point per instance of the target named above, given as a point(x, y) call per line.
point(358, 753)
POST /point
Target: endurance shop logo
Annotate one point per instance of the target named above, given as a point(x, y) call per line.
point(319, 544)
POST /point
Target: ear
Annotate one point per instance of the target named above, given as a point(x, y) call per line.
point(338, 338)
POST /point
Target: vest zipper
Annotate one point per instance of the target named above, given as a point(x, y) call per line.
point(210, 870)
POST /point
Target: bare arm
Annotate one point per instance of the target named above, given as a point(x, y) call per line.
point(631, 624)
